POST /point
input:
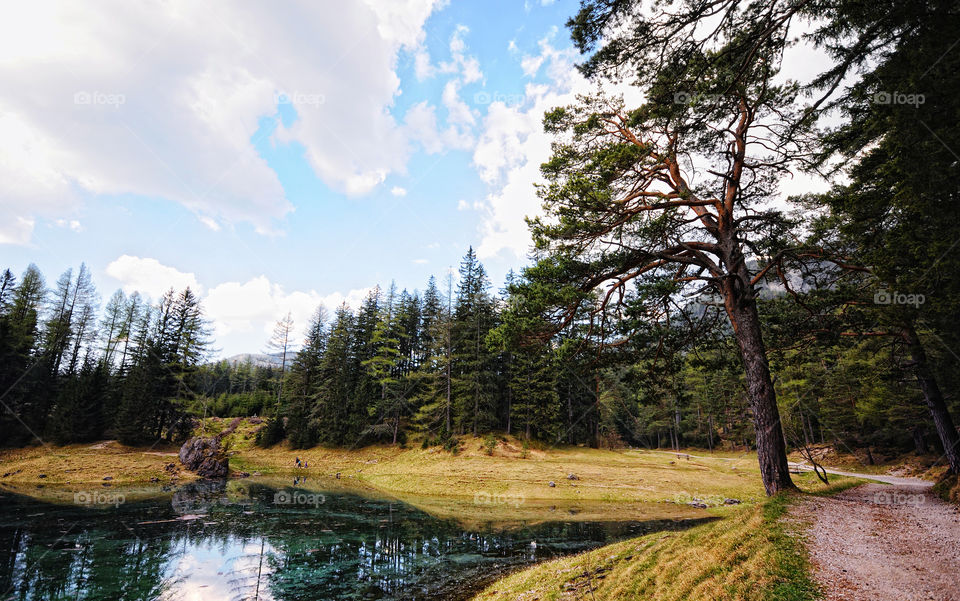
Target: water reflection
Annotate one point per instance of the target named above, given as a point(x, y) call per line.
point(252, 540)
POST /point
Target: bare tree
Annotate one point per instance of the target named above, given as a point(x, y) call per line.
point(280, 343)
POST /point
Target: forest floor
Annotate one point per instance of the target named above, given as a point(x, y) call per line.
point(893, 540)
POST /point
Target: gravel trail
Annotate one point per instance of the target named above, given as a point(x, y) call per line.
point(895, 541)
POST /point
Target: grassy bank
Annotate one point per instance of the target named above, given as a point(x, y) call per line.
point(517, 476)
point(749, 555)
point(107, 461)
point(600, 475)
point(948, 488)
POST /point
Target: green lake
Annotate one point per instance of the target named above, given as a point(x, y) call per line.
point(269, 541)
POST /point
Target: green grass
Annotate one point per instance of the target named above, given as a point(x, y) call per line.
point(748, 555)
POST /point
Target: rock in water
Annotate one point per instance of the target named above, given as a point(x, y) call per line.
point(205, 456)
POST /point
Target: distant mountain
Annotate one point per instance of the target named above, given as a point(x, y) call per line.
point(259, 359)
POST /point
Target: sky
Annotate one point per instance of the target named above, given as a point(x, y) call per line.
point(277, 157)
point(274, 159)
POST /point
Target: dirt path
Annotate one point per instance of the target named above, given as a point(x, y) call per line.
point(895, 541)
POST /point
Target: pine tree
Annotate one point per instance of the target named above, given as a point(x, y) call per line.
point(533, 385)
point(335, 412)
point(428, 381)
point(472, 361)
point(383, 369)
point(304, 382)
point(21, 418)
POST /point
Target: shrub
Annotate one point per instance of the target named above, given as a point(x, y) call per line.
point(490, 443)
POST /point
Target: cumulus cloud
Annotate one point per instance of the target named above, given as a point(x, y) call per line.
point(243, 314)
point(421, 123)
point(164, 100)
point(421, 119)
point(531, 64)
point(421, 65)
point(149, 276)
point(254, 306)
point(512, 146)
point(398, 191)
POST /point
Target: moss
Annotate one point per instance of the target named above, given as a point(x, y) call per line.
point(948, 488)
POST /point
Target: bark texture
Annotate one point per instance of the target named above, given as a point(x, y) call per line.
point(946, 429)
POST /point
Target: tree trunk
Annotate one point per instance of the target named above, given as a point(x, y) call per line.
point(396, 425)
point(931, 393)
point(710, 432)
point(919, 441)
point(771, 448)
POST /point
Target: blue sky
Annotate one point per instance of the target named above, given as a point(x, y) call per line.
point(275, 158)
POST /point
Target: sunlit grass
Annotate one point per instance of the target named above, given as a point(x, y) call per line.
point(748, 555)
point(602, 475)
point(90, 463)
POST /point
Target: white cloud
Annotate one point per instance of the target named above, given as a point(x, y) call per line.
point(209, 222)
point(72, 224)
point(467, 66)
point(458, 111)
point(398, 191)
point(149, 276)
point(243, 314)
point(162, 100)
point(531, 64)
point(352, 298)
point(421, 125)
point(256, 305)
point(16, 230)
point(421, 261)
point(253, 307)
point(421, 65)
point(511, 148)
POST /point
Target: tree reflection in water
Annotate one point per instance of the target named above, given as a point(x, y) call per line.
point(211, 541)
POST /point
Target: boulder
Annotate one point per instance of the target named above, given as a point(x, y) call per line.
point(205, 456)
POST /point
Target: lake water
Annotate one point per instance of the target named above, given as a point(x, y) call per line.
point(262, 540)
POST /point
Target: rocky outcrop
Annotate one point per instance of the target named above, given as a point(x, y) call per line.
point(205, 456)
